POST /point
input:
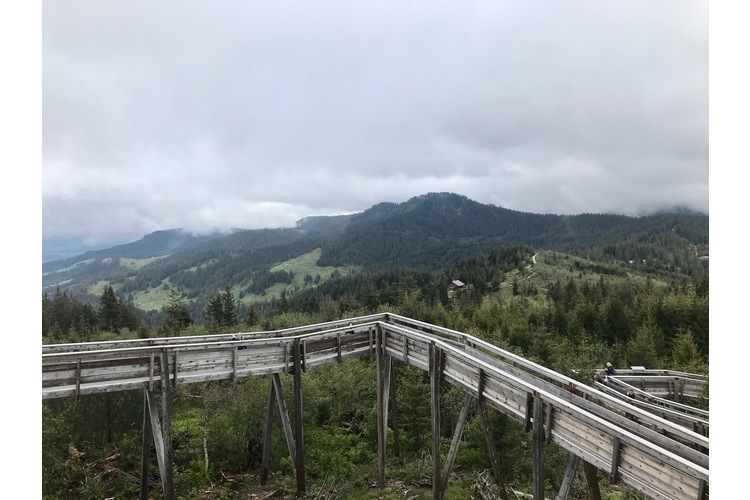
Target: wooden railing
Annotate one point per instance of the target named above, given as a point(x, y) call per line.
point(654, 455)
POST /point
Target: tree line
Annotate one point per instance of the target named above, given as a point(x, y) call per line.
point(571, 325)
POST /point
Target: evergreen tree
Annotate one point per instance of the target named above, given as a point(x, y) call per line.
point(252, 317)
point(221, 311)
point(215, 314)
point(685, 354)
point(369, 293)
point(283, 303)
point(641, 350)
point(177, 316)
point(229, 308)
point(109, 311)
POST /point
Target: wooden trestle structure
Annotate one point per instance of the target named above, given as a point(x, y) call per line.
point(657, 449)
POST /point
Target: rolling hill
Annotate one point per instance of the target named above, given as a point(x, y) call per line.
point(429, 232)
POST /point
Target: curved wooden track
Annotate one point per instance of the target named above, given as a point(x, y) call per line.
point(653, 443)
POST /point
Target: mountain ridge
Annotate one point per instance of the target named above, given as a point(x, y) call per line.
point(427, 232)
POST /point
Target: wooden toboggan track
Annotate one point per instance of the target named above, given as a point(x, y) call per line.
point(654, 443)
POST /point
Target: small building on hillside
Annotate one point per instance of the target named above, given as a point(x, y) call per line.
point(455, 285)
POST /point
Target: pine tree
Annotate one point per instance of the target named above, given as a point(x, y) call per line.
point(283, 302)
point(109, 312)
point(369, 293)
point(252, 317)
point(177, 315)
point(215, 314)
point(642, 350)
point(685, 354)
point(229, 308)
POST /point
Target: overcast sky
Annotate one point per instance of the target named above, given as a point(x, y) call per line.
point(212, 115)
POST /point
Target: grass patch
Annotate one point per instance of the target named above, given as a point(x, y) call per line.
point(300, 267)
point(71, 267)
point(138, 263)
point(308, 264)
point(153, 299)
point(551, 267)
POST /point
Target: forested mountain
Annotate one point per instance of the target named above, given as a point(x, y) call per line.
point(434, 230)
point(566, 313)
point(156, 244)
point(568, 292)
point(426, 233)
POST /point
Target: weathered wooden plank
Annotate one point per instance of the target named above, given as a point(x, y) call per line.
point(86, 377)
point(663, 436)
point(600, 450)
point(457, 434)
point(597, 442)
point(635, 465)
point(456, 370)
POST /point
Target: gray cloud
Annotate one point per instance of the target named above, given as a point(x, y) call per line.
point(248, 114)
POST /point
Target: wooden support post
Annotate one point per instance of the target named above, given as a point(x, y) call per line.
point(614, 474)
point(487, 428)
point(166, 426)
point(338, 347)
point(701, 429)
point(153, 418)
point(151, 373)
point(702, 490)
point(78, 380)
point(457, 433)
point(672, 390)
point(387, 394)
point(538, 448)
point(592, 480)
point(435, 373)
point(174, 376)
point(570, 474)
point(529, 411)
point(681, 392)
point(298, 418)
point(285, 422)
point(381, 407)
point(370, 342)
point(265, 462)
point(145, 447)
point(405, 349)
point(234, 363)
point(394, 411)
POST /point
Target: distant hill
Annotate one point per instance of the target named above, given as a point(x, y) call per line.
point(156, 244)
point(428, 232)
point(437, 229)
